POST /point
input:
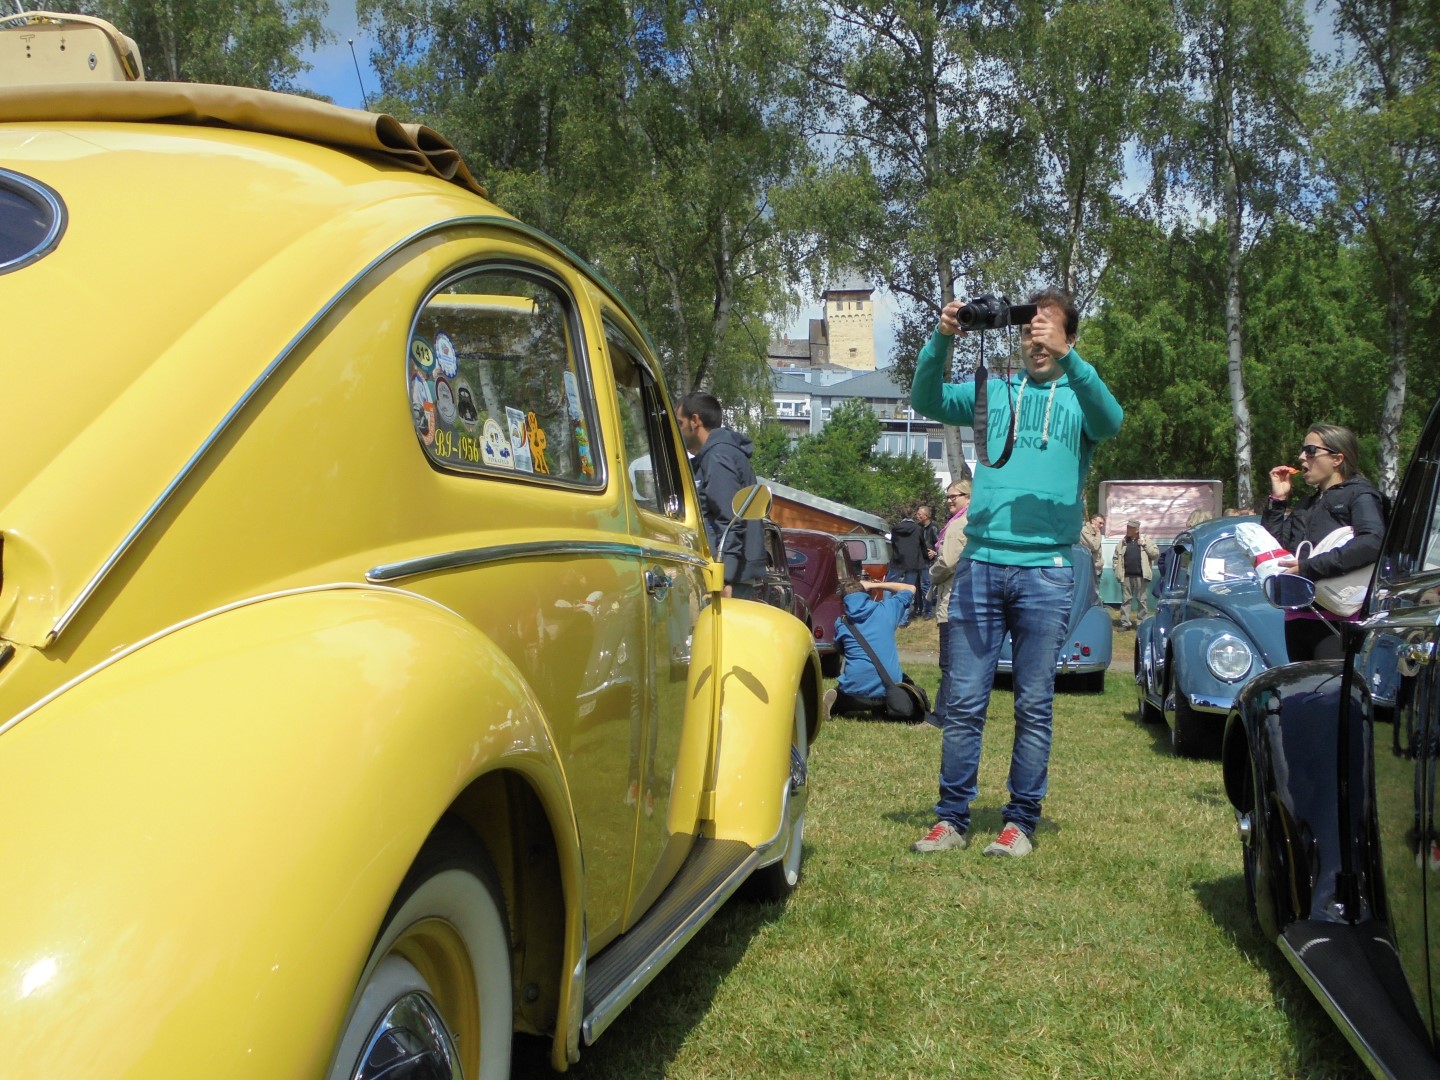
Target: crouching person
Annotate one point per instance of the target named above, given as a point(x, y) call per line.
point(862, 691)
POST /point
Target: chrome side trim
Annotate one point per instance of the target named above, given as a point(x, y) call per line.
point(452, 560)
point(184, 623)
point(480, 220)
point(615, 1002)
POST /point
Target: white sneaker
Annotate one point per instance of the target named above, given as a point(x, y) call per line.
point(942, 837)
point(1012, 843)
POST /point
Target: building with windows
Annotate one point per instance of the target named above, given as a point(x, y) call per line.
point(803, 399)
point(837, 362)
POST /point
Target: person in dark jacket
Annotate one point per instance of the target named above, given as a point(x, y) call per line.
point(721, 464)
point(907, 539)
point(1341, 497)
point(929, 547)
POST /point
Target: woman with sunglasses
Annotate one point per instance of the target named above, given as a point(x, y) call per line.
point(1341, 497)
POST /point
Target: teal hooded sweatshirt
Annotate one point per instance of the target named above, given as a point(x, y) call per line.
point(1028, 512)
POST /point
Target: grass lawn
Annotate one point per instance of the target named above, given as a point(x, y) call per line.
point(1121, 948)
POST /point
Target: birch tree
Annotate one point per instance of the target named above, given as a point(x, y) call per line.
point(1378, 149)
point(1233, 146)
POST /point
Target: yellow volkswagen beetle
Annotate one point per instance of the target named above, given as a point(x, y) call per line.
point(358, 707)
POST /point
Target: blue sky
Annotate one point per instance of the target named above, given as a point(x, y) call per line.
point(332, 70)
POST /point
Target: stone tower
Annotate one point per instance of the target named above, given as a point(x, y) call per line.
point(850, 323)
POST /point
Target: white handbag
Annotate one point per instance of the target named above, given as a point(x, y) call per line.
point(1344, 593)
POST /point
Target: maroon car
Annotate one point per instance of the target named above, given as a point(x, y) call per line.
point(819, 563)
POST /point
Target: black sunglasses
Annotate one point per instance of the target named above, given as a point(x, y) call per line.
point(1310, 450)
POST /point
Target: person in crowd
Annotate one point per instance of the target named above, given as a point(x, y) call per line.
point(1340, 496)
point(1015, 574)
point(929, 547)
point(861, 690)
point(1092, 536)
point(721, 464)
point(951, 543)
point(907, 542)
point(1134, 566)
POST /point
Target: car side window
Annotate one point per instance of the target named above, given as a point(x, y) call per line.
point(497, 380)
point(1180, 581)
point(651, 458)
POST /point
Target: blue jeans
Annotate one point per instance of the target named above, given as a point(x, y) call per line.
point(943, 693)
point(986, 600)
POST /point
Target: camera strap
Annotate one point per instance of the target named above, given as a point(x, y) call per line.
point(980, 422)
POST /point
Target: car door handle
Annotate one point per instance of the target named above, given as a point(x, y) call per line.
point(657, 584)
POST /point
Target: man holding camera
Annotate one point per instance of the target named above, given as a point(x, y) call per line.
point(1015, 574)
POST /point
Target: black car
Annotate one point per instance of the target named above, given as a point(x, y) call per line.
point(1332, 769)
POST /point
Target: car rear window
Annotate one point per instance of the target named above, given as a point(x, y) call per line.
point(32, 219)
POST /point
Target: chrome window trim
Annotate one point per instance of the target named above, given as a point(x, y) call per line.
point(454, 560)
point(59, 217)
point(477, 221)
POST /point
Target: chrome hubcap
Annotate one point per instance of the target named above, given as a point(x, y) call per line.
point(410, 1042)
point(1245, 827)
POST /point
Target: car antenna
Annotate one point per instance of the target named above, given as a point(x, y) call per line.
point(356, 62)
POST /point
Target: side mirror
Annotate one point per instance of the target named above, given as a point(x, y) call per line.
point(1290, 591)
point(751, 503)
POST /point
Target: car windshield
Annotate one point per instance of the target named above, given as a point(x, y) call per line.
point(1225, 560)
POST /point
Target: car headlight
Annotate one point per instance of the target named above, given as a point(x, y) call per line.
point(1228, 657)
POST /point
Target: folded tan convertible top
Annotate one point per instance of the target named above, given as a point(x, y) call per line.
point(413, 146)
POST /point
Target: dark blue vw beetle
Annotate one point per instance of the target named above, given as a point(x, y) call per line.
point(1211, 631)
point(1333, 768)
point(1085, 652)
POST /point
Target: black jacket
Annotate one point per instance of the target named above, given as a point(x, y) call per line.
point(929, 541)
point(908, 539)
point(1351, 502)
point(722, 467)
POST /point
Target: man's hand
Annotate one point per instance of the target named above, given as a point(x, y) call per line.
point(1049, 333)
point(949, 324)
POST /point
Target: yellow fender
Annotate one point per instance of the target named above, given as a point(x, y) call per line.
point(766, 657)
point(310, 741)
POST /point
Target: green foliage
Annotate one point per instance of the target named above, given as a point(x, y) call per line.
point(649, 137)
point(772, 447)
point(255, 43)
point(840, 463)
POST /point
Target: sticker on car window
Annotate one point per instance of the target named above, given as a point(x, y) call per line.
point(495, 447)
point(519, 439)
point(465, 405)
point(537, 443)
point(422, 355)
point(445, 355)
point(445, 402)
point(422, 409)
